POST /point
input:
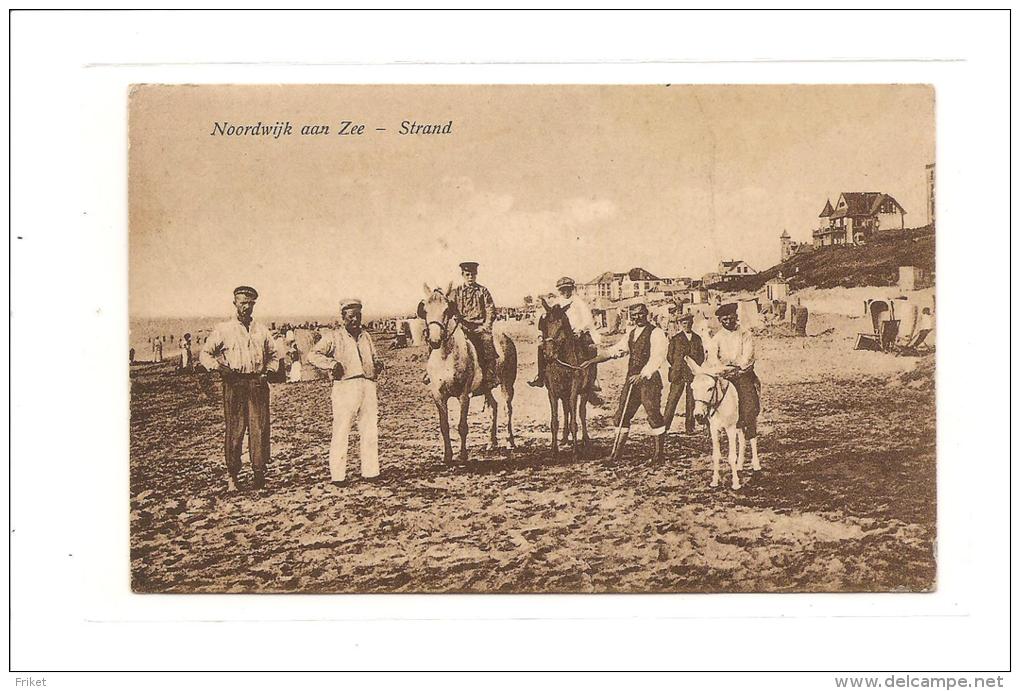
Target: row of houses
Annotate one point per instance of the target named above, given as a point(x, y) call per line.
point(612, 286)
point(854, 219)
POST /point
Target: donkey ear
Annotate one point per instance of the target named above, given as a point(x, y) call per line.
point(545, 305)
point(449, 288)
point(428, 291)
point(421, 310)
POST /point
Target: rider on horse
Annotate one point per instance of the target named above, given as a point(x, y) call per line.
point(477, 313)
point(581, 322)
point(731, 350)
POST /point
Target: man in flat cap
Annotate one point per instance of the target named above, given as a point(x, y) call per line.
point(646, 345)
point(244, 352)
point(685, 343)
point(731, 353)
point(348, 353)
point(477, 314)
point(581, 321)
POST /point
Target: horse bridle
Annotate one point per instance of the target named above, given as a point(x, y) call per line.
point(718, 394)
point(446, 331)
point(558, 343)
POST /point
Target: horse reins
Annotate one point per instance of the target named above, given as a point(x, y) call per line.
point(718, 394)
point(444, 329)
point(559, 361)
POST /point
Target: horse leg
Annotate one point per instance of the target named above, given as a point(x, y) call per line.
point(508, 392)
point(444, 429)
point(566, 420)
point(573, 421)
point(740, 449)
point(554, 420)
point(755, 463)
point(491, 400)
point(582, 411)
point(731, 453)
point(716, 455)
point(465, 405)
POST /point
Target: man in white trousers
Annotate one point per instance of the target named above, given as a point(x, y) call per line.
point(349, 354)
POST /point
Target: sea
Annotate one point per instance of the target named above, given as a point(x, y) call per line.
point(144, 331)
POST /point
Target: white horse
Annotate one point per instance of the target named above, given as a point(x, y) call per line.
point(716, 400)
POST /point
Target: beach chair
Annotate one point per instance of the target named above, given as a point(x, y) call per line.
point(914, 346)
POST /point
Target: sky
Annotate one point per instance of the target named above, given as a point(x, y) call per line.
point(534, 182)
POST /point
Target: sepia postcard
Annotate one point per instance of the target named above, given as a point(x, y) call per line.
point(532, 339)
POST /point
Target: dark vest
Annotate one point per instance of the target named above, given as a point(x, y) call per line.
point(640, 350)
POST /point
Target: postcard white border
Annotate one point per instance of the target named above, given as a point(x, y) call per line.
point(72, 607)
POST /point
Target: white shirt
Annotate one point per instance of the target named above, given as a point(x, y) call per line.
point(249, 351)
point(579, 314)
point(658, 346)
point(357, 357)
point(727, 348)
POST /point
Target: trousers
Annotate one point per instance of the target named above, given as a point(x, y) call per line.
point(749, 396)
point(677, 389)
point(486, 349)
point(354, 399)
point(246, 409)
point(646, 393)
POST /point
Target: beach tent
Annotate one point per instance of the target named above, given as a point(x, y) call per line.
point(748, 315)
point(304, 339)
point(415, 330)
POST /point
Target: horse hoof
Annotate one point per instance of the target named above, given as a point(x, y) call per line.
point(493, 446)
point(715, 482)
point(736, 485)
point(756, 466)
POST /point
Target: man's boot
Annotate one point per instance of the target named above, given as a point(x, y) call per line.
point(539, 380)
point(658, 456)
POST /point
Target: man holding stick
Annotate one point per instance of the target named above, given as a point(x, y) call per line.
point(646, 345)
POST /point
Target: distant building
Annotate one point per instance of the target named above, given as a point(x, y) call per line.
point(788, 248)
point(856, 217)
point(930, 174)
point(710, 278)
point(734, 268)
point(612, 286)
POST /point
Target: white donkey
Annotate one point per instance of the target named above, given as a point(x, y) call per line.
point(716, 400)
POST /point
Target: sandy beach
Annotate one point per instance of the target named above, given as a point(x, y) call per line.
point(845, 501)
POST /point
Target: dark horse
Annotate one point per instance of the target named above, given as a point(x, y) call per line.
point(567, 383)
